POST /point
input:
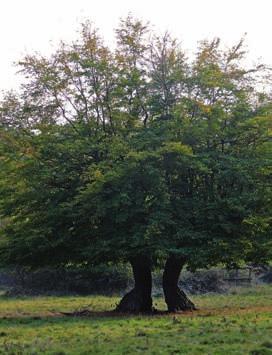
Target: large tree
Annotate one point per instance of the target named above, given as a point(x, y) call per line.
point(137, 154)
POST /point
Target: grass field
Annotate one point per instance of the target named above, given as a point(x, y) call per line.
point(238, 323)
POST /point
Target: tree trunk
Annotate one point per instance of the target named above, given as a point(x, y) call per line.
point(138, 300)
point(175, 298)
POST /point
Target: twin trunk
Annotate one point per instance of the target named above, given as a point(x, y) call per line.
point(175, 298)
point(139, 300)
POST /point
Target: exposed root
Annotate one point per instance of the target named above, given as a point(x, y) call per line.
point(178, 301)
point(135, 301)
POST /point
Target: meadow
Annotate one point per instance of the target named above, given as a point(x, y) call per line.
point(237, 323)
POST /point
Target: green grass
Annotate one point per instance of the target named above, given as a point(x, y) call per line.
point(238, 323)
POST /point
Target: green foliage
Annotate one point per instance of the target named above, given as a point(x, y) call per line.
point(106, 154)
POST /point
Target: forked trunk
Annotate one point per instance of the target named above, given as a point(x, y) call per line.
point(175, 298)
point(138, 300)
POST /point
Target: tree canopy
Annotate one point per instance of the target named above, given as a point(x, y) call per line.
point(108, 154)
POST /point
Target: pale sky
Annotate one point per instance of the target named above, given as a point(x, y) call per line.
point(38, 25)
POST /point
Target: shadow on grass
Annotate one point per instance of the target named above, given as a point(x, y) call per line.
point(87, 315)
point(82, 315)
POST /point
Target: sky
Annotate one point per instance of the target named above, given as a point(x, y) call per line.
point(28, 26)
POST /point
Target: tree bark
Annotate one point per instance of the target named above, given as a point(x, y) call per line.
point(138, 300)
point(175, 298)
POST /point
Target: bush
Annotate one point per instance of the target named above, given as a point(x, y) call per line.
point(104, 279)
point(203, 282)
